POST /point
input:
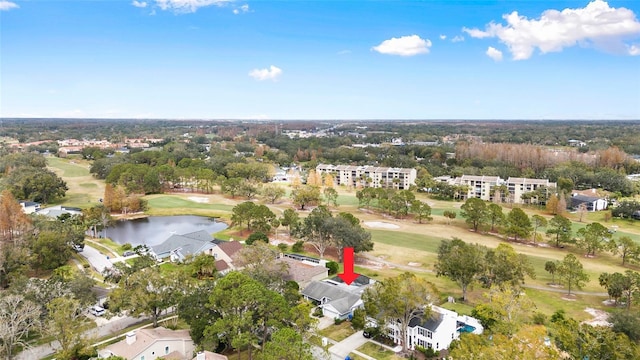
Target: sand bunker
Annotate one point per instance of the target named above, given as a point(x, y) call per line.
point(600, 318)
point(381, 225)
point(199, 199)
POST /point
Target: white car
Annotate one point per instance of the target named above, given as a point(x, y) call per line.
point(96, 310)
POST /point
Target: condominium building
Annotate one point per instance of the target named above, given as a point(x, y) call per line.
point(484, 187)
point(519, 186)
point(370, 176)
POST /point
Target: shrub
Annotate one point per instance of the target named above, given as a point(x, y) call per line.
point(127, 246)
point(539, 318)
point(298, 246)
point(358, 319)
point(256, 236)
point(283, 247)
point(318, 312)
point(338, 321)
point(333, 267)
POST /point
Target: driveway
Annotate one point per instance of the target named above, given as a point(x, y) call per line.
point(348, 345)
point(97, 260)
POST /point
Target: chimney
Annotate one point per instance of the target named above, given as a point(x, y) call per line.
point(131, 337)
point(201, 356)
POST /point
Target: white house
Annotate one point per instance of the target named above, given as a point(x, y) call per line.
point(438, 331)
point(592, 203)
point(150, 344)
point(29, 207)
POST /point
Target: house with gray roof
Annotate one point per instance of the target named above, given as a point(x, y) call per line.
point(178, 247)
point(29, 207)
point(335, 298)
point(55, 211)
point(591, 203)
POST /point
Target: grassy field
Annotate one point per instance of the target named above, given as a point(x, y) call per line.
point(84, 190)
point(182, 205)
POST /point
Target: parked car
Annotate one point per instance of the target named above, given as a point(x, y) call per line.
point(128, 253)
point(96, 310)
point(78, 248)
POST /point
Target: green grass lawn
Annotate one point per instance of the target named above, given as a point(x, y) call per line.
point(337, 332)
point(88, 185)
point(408, 240)
point(174, 202)
point(69, 167)
point(378, 352)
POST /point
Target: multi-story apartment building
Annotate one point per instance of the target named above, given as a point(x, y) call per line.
point(370, 176)
point(484, 187)
point(520, 186)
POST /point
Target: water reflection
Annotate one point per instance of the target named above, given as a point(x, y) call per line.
point(154, 230)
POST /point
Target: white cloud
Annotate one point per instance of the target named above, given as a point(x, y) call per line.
point(443, 37)
point(494, 53)
point(633, 50)
point(139, 4)
point(457, 38)
point(404, 46)
point(242, 9)
point(272, 73)
point(597, 25)
point(187, 6)
point(7, 5)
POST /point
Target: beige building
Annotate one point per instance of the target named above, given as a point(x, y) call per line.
point(484, 187)
point(370, 176)
point(150, 344)
point(520, 186)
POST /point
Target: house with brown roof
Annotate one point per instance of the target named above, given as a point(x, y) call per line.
point(224, 253)
point(152, 343)
point(303, 273)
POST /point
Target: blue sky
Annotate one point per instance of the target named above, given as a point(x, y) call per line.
point(213, 59)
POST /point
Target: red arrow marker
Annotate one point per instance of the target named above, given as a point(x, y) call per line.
point(348, 275)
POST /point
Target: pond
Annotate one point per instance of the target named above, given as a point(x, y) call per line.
point(153, 230)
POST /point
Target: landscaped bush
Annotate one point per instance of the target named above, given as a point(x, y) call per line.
point(127, 246)
point(283, 247)
point(257, 236)
point(333, 267)
point(318, 312)
point(298, 246)
point(338, 321)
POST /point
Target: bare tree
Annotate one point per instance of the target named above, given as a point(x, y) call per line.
point(17, 317)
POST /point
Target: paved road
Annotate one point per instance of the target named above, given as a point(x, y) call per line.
point(97, 260)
